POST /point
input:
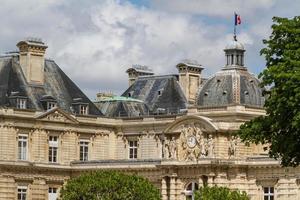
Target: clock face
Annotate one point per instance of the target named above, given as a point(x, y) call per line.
point(191, 141)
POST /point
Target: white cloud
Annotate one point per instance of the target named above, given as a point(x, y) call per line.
point(124, 34)
point(94, 41)
point(213, 7)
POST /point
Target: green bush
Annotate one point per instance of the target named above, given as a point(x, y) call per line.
point(109, 185)
point(219, 193)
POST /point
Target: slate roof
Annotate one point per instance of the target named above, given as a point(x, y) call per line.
point(122, 107)
point(159, 93)
point(231, 86)
point(57, 86)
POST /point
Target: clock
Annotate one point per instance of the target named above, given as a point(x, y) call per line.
point(191, 141)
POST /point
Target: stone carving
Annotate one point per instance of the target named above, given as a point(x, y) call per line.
point(170, 149)
point(56, 116)
point(210, 146)
point(194, 143)
point(232, 146)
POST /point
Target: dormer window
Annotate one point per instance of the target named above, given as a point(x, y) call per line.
point(21, 103)
point(48, 102)
point(80, 107)
point(51, 104)
point(83, 109)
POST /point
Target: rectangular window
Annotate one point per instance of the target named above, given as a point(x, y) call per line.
point(22, 191)
point(22, 147)
point(53, 146)
point(52, 193)
point(84, 150)
point(83, 109)
point(133, 148)
point(268, 193)
point(21, 103)
point(50, 105)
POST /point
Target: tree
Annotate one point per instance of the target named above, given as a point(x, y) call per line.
point(108, 185)
point(280, 128)
point(219, 193)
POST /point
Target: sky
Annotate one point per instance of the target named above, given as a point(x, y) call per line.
point(95, 41)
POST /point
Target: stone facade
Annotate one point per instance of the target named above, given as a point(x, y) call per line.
point(172, 151)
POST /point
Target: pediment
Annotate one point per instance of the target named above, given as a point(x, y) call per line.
point(57, 115)
point(204, 123)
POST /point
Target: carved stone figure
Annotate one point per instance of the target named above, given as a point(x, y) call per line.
point(202, 144)
point(210, 146)
point(166, 150)
point(232, 146)
point(173, 148)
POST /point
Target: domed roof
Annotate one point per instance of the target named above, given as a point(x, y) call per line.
point(234, 44)
point(232, 86)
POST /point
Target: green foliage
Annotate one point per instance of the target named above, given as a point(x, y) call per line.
point(109, 185)
point(281, 126)
point(219, 193)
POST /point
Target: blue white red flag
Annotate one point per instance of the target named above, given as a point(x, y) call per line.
point(237, 19)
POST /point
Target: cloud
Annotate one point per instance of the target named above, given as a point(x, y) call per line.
point(213, 7)
point(121, 34)
point(94, 41)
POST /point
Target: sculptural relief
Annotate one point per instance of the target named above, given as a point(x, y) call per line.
point(210, 146)
point(232, 147)
point(170, 148)
point(192, 144)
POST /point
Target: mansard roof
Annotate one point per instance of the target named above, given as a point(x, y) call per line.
point(57, 86)
point(118, 106)
point(159, 93)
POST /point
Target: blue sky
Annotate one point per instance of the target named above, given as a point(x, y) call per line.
point(95, 41)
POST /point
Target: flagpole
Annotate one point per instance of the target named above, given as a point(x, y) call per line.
point(234, 28)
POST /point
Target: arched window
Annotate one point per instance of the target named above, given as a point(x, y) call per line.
point(189, 190)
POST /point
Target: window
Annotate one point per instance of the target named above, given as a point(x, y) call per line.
point(189, 191)
point(133, 149)
point(83, 109)
point(268, 193)
point(84, 150)
point(50, 105)
point(22, 147)
point(52, 193)
point(53, 146)
point(21, 103)
point(22, 190)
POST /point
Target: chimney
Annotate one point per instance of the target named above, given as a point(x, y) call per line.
point(189, 78)
point(138, 70)
point(32, 61)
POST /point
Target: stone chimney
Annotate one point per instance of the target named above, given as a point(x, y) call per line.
point(138, 70)
point(32, 61)
point(189, 78)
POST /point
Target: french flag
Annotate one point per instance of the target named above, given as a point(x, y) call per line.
point(237, 19)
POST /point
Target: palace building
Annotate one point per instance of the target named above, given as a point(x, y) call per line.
point(176, 130)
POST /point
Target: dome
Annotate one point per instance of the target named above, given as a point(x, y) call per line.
point(231, 87)
point(234, 44)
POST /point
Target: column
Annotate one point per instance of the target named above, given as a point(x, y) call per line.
point(173, 187)
point(164, 189)
point(210, 181)
point(200, 182)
